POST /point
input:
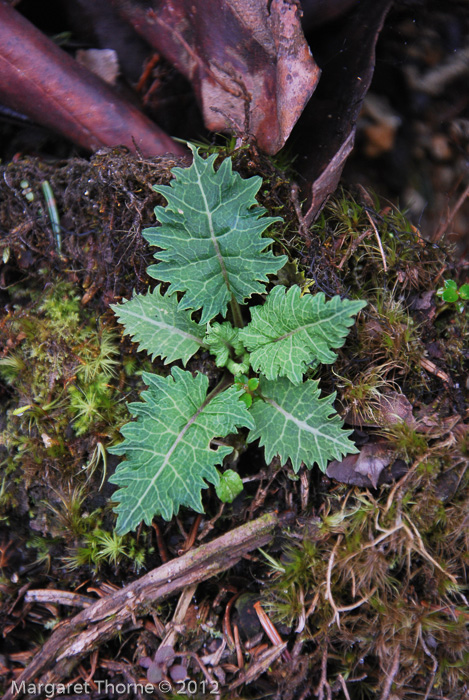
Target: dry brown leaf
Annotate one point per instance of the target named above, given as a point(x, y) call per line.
point(247, 60)
point(367, 468)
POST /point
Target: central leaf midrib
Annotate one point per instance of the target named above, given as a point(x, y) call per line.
point(305, 327)
point(300, 423)
point(170, 452)
point(213, 237)
point(162, 324)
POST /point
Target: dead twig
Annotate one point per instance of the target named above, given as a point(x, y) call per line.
point(226, 621)
point(433, 369)
point(239, 652)
point(431, 680)
point(443, 228)
point(323, 684)
point(174, 627)
point(344, 687)
point(191, 536)
point(51, 595)
point(329, 596)
point(303, 229)
point(392, 674)
point(260, 666)
point(380, 245)
point(160, 543)
point(270, 629)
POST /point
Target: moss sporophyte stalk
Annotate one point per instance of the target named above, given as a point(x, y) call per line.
point(212, 257)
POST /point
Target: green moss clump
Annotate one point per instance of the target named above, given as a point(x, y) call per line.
point(61, 368)
point(372, 581)
point(64, 378)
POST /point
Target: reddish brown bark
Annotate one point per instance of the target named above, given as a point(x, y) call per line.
point(247, 60)
point(41, 81)
point(325, 133)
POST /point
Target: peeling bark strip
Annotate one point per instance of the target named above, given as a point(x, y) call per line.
point(247, 60)
point(328, 124)
point(108, 617)
point(42, 81)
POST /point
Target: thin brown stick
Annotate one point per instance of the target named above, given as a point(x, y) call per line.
point(302, 224)
point(239, 653)
point(51, 595)
point(191, 536)
point(392, 674)
point(226, 621)
point(402, 481)
point(174, 627)
point(329, 596)
point(443, 228)
point(259, 666)
point(323, 684)
point(344, 687)
point(270, 629)
point(431, 680)
point(380, 245)
point(160, 543)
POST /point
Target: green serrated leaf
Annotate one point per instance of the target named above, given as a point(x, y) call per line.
point(210, 237)
point(293, 422)
point(169, 459)
point(291, 331)
point(160, 327)
point(222, 339)
point(229, 487)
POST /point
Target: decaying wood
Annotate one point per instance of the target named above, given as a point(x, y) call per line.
point(260, 666)
point(82, 634)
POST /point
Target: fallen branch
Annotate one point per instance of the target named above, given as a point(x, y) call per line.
point(113, 615)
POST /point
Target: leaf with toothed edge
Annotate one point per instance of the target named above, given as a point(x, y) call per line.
point(211, 252)
point(294, 423)
point(169, 458)
point(291, 331)
point(160, 326)
point(210, 238)
point(221, 339)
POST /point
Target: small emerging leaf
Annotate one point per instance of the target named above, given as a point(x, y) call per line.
point(450, 295)
point(450, 284)
point(291, 331)
point(229, 487)
point(157, 324)
point(247, 399)
point(210, 238)
point(223, 340)
point(169, 458)
point(253, 384)
point(293, 422)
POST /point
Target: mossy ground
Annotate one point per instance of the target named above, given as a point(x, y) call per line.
point(369, 585)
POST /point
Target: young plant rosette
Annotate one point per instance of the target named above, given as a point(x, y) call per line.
point(213, 256)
